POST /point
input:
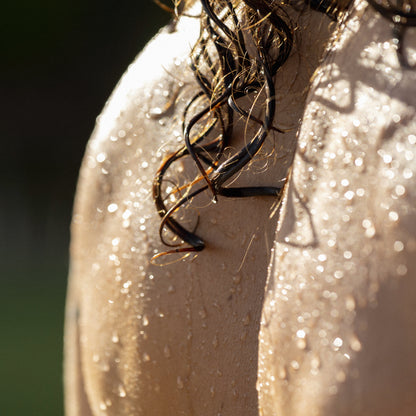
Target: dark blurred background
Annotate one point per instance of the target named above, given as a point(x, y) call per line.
point(60, 60)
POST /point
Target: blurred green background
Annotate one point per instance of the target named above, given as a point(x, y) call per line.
point(60, 61)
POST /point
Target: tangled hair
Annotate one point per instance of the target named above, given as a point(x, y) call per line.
point(241, 47)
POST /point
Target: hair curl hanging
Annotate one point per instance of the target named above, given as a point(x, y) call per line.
point(241, 47)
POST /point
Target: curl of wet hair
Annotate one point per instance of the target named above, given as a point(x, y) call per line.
point(239, 51)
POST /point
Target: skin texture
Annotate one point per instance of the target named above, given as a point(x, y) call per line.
point(181, 339)
point(337, 334)
point(327, 328)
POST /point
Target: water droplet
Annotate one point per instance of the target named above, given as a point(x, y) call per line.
point(115, 339)
point(103, 406)
point(407, 173)
point(112, 208)
point(337, 343)
point(179, 382)
point(350, 303)
point(237, 279)
point(340, 377)
point(398, 246)
point(171, 289)
point(95, 358)
point(202, 313)
point(315, 362)
point(104, 366)
point(121, 390)
point(349, 195)
point(393, 216)
point(301, 333)
point(146, 357)
point(401, 269)
point(301, 343)
point(101, 157)
point(322, 257)
point(145, 320)
point(281, 373)
point(295, 365)
point(339, 274)
point(155, 112)
point(347, 255)
point(167, 352)
point(355, 343)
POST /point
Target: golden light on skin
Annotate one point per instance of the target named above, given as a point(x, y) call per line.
point(184, 338)
point(364, 222)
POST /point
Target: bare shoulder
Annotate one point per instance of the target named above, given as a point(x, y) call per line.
point(182, 338)
point(339, 310)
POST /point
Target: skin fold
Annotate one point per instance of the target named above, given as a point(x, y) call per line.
point(181, 339)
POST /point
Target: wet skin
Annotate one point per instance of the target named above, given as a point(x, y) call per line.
point(183, 339)
point(337, 334)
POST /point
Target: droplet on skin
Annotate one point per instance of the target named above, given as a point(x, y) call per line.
point(121, 391)
point(301, 344)
point(282, 374)
point(171, 289)
point(401, 269)
point(337, 343)
point(355, 343)
point(350, 303)
point(393, 216)
point(115, 339)
point(166, 351)
point(145, 320)
point(179, 383)
point(146, 357)
point(202, 313)
point(105, 367)
point(301, 334)
point(101, 157)
point(347, 255)
point(237, 279)
point(407, 173)
point(295, 365)
point(315, 362)
point(112, 208)
point(339, 274)
point(340, 377)
point(398, 246)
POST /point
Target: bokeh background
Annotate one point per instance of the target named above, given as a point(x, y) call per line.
point(59, 62)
